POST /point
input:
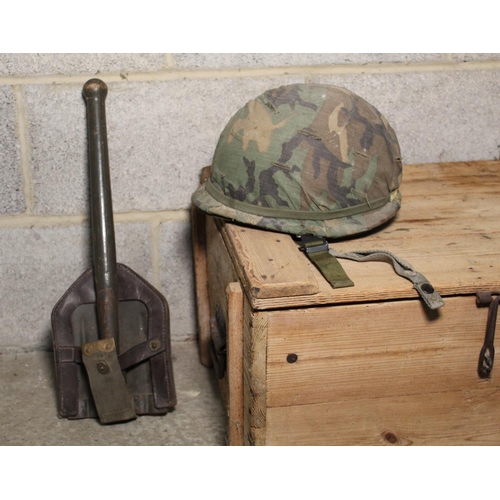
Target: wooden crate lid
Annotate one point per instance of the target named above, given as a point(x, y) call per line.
point(448, 228)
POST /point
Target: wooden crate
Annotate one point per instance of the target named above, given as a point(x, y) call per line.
point(372, 364)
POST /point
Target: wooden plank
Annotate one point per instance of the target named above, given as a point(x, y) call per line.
point(454, 266)
point(268, 265)
point(375, 350)
point(254, 372)
point(454, 263)
point(235, 364)
point(220, 272)
point(450, 178)
point(198, 231)
point(198, 221)
point(486, 226)
point(220, 269)
point(432, 209)
point(466, 417)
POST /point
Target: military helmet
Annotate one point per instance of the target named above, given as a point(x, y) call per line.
point(305, 159)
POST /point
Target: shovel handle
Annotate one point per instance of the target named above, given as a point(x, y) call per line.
point(101, 212)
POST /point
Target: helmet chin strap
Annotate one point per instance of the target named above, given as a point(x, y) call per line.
point(317, 250)
point(426, 291)
point(325, 259)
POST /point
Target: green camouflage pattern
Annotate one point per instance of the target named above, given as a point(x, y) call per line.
point(305, 158)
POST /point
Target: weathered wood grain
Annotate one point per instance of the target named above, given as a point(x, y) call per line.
point(467, 417)
point(220, 272)
point(255, 369)
point(199, 239)
point(198, 223)
point(269, 266)
point(375, 350)
point(235, 364)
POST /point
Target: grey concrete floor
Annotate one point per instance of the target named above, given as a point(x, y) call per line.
point(28, 411)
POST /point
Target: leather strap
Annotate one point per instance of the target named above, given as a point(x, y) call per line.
point(107, 383)
point(128, 359)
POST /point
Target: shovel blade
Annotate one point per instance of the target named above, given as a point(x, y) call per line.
point(143, 354)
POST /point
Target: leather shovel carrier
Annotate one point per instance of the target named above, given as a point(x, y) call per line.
point(111, 333)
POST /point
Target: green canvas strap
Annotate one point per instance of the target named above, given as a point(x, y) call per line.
point(250, 208)
point(316, 248)
point(404, 269)
point(325, 259)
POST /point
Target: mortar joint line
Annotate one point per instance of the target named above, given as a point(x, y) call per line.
point(63, 220)
point(175, 73)
point(22, 129)
point(169, 61)
point(155, 251)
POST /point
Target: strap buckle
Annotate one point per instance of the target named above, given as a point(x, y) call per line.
point(318, 252)
point(312, 244)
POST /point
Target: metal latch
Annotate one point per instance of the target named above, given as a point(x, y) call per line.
point(312, 244)
point(487, 354)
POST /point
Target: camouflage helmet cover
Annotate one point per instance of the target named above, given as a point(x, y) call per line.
point(305, 158)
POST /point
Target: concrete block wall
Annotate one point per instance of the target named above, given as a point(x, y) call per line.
point(165, 113)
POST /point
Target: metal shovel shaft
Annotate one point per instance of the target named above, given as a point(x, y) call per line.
point(103, 237)
point(109, 388)
point(136, 378)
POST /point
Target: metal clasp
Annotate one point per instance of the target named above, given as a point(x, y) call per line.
point(312, 244)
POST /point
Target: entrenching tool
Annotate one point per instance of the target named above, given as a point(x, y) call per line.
point(111, 333)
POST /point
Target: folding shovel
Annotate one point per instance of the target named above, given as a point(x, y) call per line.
point(111, 333)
